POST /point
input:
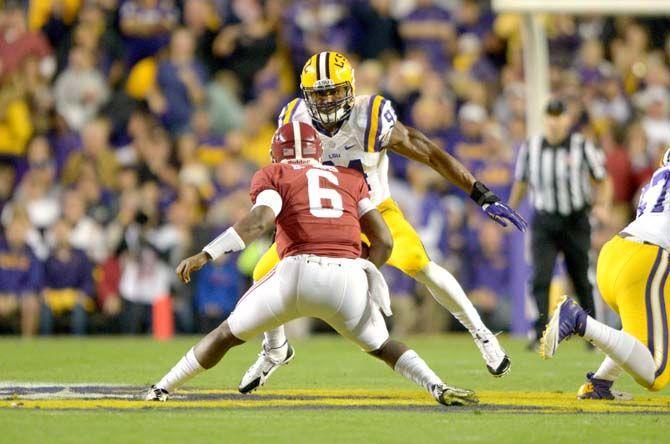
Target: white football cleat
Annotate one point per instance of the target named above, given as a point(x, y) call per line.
point(497, 361)
point(264, 366)
point(157, 394)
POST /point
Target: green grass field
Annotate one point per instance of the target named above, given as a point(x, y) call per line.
point(331, 392)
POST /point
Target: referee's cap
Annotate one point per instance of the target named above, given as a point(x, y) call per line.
point(555, 107)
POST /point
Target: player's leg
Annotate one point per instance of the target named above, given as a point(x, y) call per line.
point(351, 313)
point(624, 349)
point(409, 364)
point(275, 350)
point(265, 305)
point(620, 266)
point(275, 344)
point(410, 256)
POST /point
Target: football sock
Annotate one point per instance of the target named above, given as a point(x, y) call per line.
point(608, 370)
point(448, 293)
point(186, 368)
point(412, 367)
point(624, 350)
point(275, 343)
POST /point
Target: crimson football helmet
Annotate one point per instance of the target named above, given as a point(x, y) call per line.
point(296, 142)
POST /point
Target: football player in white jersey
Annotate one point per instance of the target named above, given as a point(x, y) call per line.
point(356, 132)
point(632, 276)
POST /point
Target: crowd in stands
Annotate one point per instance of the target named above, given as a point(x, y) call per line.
point(129, 131)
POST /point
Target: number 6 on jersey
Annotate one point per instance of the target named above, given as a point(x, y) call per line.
point(317, 194)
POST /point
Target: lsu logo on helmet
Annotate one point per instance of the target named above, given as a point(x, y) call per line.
point(327, 84)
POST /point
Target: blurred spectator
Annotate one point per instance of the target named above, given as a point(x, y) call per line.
point(21, 277)
point(375, 18)
point(655, 101)
point(146, 26)
point(15, 124)
point(181, 79)
point(17, 43)
point(145, 275)
point(488, 276)
point(217, 289)
point(91, 32)
point(259, 128)
point(192, 170)
point(68, 284)
point(467, 142)
point(85, 233)
point(428, 29)
point(7, 177)
point(611, 105)
point(202, 19)
point(225, 107)
point(311, 26)
point(80, 90)
point(246, 43)
point(95, 150)
point(472, 62)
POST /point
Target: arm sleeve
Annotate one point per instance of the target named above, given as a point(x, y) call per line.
point(521, 170)
point(381, 119)
point(364, 202)
point(595, 159)
point(269, 198)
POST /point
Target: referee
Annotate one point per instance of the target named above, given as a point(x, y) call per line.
point(565, 175)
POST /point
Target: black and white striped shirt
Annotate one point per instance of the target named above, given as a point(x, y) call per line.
point(559, 176)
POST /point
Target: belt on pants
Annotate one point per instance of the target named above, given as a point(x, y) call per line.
point(321, 260)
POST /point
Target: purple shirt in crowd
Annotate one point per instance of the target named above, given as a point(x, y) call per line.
point(77, 273)
point(20, 271)
point(433, 48)
point(179, 106)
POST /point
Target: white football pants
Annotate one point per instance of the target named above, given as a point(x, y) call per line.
point(334, 290)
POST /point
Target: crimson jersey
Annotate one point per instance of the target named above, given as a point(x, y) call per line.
point(320, 208)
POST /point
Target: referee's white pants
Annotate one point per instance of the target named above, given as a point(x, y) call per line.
point(334, 290)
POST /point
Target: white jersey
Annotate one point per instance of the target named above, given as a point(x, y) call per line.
point(652, 223)
point(359, 143)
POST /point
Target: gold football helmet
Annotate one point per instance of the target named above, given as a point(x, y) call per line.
point(327, 84)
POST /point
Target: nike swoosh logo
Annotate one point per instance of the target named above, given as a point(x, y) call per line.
point(348, 147)
point(266, 373)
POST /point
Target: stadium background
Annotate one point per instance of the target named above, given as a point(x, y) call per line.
point(130, 129)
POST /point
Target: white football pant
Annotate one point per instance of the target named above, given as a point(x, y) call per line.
point(334, 290)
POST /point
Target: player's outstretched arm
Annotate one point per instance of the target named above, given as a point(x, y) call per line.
point(413, 144)
point(259, 220)
point(379, 235)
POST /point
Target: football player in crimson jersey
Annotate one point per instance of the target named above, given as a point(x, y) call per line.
point(319, 212)
point(357, 131)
